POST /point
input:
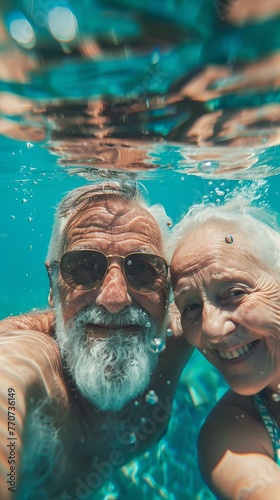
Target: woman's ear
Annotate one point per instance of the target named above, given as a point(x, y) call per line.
point(50, 298)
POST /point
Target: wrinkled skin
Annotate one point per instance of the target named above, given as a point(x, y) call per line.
point(230, 310)
point(116, 229)
point(227, 301)
point(85, 433)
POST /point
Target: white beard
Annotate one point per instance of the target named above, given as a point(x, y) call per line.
point(108, 371)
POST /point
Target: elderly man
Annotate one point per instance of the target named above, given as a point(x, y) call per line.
point(97, 391)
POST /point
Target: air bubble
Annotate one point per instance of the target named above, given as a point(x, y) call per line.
point(151, 397)
point(157, 345)
point(208, 166)
point(24, 200)
point(275, 397)
point(169, 332)
point(229, 238)
point(132, 438)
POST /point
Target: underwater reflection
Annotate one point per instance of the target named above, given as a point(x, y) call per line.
point(200, 79)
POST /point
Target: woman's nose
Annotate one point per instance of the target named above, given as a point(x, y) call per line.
point(216, 323)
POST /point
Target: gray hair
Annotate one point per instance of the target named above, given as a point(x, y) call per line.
point(78, 199)
point(255, 223)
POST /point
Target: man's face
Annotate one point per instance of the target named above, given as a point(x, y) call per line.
point(105, 333)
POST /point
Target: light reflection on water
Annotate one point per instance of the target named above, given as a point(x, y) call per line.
point(181, 95)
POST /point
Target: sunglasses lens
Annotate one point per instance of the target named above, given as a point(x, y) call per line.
point(83, 269)
point(146, 273)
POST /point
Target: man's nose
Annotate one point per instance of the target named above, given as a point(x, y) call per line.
point(217, 324)
point(113, 293)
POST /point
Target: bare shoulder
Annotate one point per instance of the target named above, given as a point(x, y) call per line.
point(234, 423)
point(233, 443)
point(39, 321)
point(31, 360)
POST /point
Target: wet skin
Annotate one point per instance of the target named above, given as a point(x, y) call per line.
point(230, 307)
point(115, 228)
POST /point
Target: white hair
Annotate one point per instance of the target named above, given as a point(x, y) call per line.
point(81, 197)
point(258, 226)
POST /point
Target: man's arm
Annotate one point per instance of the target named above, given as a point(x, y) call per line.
point(30, 372)
point(235, 452)
point(39, 321)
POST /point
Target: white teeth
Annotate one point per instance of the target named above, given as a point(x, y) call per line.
point(237, 352)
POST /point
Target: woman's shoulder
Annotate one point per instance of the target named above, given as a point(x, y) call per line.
point(232, 404)
point(235, 424)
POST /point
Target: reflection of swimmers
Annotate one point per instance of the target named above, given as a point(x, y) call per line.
point(109, 288)
point(226, 279)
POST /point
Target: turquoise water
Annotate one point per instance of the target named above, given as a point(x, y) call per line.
point(180, 95)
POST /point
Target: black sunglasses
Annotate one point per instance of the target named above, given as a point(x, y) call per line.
point(86, 269)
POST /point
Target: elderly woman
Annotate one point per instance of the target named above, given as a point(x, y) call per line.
point(226, 280)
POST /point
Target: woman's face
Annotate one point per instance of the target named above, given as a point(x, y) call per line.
point(230, 307)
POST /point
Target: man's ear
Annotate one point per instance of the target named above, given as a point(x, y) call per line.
point(50, 298)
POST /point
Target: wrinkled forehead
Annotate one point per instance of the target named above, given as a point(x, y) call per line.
point(220, 243)
point(115, 217)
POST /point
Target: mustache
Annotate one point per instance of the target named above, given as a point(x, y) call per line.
point(128, 316)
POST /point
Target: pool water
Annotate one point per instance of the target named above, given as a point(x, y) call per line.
point(181, 95)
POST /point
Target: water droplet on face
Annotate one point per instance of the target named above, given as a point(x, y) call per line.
point(169, 332)
point(229, 238)
point(132, 438)
point(208, 167)
point(151, 397)
point(276, 397)
point(157, 345)
point(129, 262)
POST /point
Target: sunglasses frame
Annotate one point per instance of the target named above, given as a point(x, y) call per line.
point(123, 258)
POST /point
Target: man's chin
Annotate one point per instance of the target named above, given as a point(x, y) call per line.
point(106, 394)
